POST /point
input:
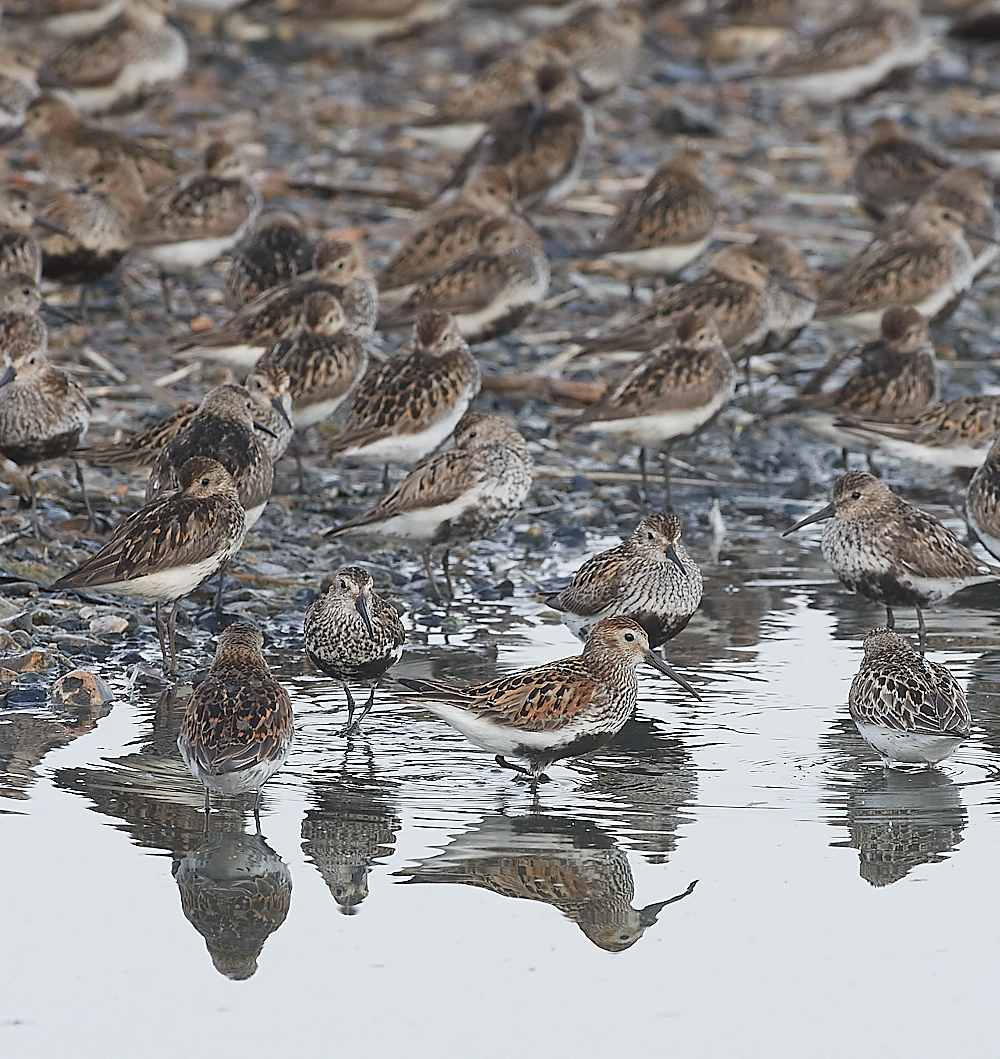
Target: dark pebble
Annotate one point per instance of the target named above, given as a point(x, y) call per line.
point(581, 484)
point(502, 591)
point(18, 697)
point(685, 121)
point(573, 535)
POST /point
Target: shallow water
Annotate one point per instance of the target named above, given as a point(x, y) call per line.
point(836, 908)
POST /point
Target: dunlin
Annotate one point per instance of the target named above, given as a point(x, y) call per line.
point(354, 636)
point(568, 863)
point(894, 170)
point(223, 429)
point(96, 223)
point(165, 550)
point(541, 144)
point(665, 226)
point(235, 891)
point(982, 505)
point(324, 363)
point(906, 708)
point(69, 149)
point(18, 84)
point(20, 302)
point(852, 56)
point(19, 250)
point(956, 433)
point(649, 577)
point(791, 293)
point(341, 273)
point(733, 292)
point(362, 24)
point(925, 264)
point(43, 412)
point(490, 290)
point(891, 552)
point(464, 494)
point(600, 44)
point(671, 393)
point(238, 728)
point(122, 64)
point(186, 226)
point(449, 233)
point(556, 711)
point(63, 18)
point(408, 406)
point(275, 252)
point(897, 378)
point(269, 386)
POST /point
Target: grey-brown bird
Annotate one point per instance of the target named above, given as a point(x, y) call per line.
point(275, 252)
point(238, 728)
point(982, 504)
point(894, 170)
point(70, 149)
point(20, 252)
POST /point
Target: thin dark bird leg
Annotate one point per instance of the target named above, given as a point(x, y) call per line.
point(351, 728)
point(847, 125)
point(208, 807)
point(218, 594)
point(845, 456)
point(192, 289)
point(83, 489)
point(368, 705)
point(872, 467)
point(890, 618)
point(171, 630)
point(505, 764)
point(668, 506)
point(33, 493)
point(168, 301)
point(81, 305)
point(921, 631)
point(751, 396)
point(385, 479)
point(162, 636)
point(642, 471)
point(299, 469)
point(447, 577)
point(256, 810)
point(426, 556)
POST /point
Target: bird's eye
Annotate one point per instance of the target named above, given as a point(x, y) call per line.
point(855, 496)
point(204, 481)
point(629, 636)
point(649, 536)
point(472, 433)
point(31, 360)
point(26, 291)
point(343, 584)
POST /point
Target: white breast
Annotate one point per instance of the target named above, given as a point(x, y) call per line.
point(659, 259)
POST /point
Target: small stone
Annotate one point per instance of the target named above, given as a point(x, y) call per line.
point(25, 696)
point(86, 613)
point(109, 623)
point(29, 662)
point(81, 688)
point(202, 322)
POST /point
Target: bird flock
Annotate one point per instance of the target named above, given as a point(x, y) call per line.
point(308, 336)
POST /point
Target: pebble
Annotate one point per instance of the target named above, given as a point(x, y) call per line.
point(80, 687)
point(109, 623)
point(29, 662)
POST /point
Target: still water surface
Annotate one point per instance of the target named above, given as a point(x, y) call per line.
point(410, 898)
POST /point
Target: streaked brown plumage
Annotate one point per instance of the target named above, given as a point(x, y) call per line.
point(165, 550)
point(792, 290)
point(489, 291)
point(19, 250)
point(69, 149)
point(894, 170)
point(275, 252)
point(982, 505)
point(269, 386)
point(20, 301)
point(733, 292)
point(541, 144)
point(224, 430)
point(238, 728)
point(409, 405)
point(559, 710)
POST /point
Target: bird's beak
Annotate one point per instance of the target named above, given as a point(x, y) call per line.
point(8, 376)
point(671, 553)
point(658, 663)
point(818, 516)
point(978, 233)
point(263, 429)
point(280, 409)
point(44, 222)
point(361, 606)
point(794, 291)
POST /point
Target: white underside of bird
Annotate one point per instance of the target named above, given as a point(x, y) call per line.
point(165, 586)
point(659, 259)
point(658, 429)
point(908, 748)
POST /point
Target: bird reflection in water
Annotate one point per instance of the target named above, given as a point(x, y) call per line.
point(571, 864)
point(352, 827)
point(896, 819)
point(235, 891)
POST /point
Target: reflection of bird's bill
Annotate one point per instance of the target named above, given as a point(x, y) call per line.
point(263, 429)
point(647, 916)
point(361, 606)
point(658, 663)
point(816, 516)
point(280, 409)
point(51, 226)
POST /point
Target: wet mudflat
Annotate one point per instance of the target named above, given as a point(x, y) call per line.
point(834, 903)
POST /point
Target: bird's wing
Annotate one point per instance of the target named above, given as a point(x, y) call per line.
point(203, 208)
point(91, 61)
point(926, 548)
point(595, 585)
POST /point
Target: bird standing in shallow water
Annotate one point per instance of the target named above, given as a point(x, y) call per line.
point(354, 636)
point(239, 725)
point(560, 710)
point(648, 577)
point(891, 552)
point(165, 550)
point(906, 708)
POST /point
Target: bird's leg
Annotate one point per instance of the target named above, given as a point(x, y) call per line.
point(505, 764)
point(751, 396)
point(299, 469)
point(171, 629)
point(191, 286)
point(921, 631)
point(447, 577)
point(208, 807)
point(368, 705)
point(385, 479)
point(353, 727)
point(890, 618)
point(33, 493)
point(86, 499)
point(845, 456)
point(847, 126)
point(168, 301)
point(256, 810)
point(666, 476)
point(81, 306)
point(426, 556)
point(161, 635)
point(642, 471)
point(872, 467)
point(218, 594)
